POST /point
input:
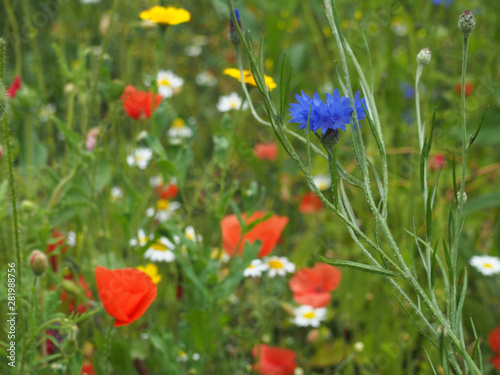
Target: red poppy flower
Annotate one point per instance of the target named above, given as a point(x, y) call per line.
point(16, 85)
point(54, 259)
point(469, 88)
point(266, 151)
point(310, 203)
point(168, 191)
point(436, 161)
point(125, 293)
point(312, 286)
point(69, 300)
point(138, 104)
point(272, 360)
point(494, 340)
point(88, 369)
point(267, 231)
point(495, 361)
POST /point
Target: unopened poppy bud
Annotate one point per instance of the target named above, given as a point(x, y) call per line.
point(27, 206)
point(424, 57)
point(70, 287)
point(466, 22)
point(38, 262)
point(233, 33)
point(312, 336)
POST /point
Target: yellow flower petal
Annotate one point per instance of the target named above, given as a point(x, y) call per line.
point(248, 77)
point(152, 271)
point(166, 16)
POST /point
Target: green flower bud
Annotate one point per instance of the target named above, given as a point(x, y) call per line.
point(38, 262)
point(27, 206)
point(424, 57)
point(466, 22)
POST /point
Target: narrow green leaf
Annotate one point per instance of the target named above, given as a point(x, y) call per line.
point(360, 267)
point(475, 133)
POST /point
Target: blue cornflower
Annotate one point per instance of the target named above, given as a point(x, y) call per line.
point(440, 2)
point(334, 114)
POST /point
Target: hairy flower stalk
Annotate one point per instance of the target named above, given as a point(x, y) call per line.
point(389, 263)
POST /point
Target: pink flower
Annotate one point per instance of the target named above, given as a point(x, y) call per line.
point(16, 85)
point(266, 151)
point(436, 161)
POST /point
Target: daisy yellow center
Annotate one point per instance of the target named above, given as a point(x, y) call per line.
point(233, 105)
point(276, 264)
point(143, 239)
point(309, 315)
point(138, 158)
point(159, 246)
point(190, 236)
point(251, 266)
point(322, 186)
point(178, 123)
point(162, 204)
point(487, 265)
point(181, 353)
point(164, 82)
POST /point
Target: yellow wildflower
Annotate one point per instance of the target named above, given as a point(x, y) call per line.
point(166, 16)
point(248, 77)
point(152, 271)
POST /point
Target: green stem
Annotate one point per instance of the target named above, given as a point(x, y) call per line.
point(17, 40)
point(107, 350)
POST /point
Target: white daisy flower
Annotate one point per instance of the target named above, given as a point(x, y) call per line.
point(486, 264)
point(116, 193)
point(164, 210)
point(141, 239)
point(167, 82)
point(156, 181)
point(229, 102)
point(71, 238)
point(279, 266)
point(255, 268)
point(191, 235)
point(206, 78)
point(193, 51)
point(179, 129)
point(196, 356)
point(220, 254)
point(306, 316)
point(161, 251)
point(47, 111)
point(323, 181)
point(181, 356)
point(140, 157)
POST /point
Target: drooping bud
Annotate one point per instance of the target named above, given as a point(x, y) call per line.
point(38, 262)
point(466, 22)
point(233, 33)
point(424, 57)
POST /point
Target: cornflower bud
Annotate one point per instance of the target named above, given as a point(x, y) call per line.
point(233, 33)
point(424, 57)
point(466, 22)
point(38, 262)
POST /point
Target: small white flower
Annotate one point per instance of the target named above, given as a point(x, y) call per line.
point(141, 239)
point(71, 238)
point(179, 129)
point(306, 316)
point(90, 1)
point(116, 193)
point(191, 235)
point(167, 82)
point(279, 266)
point(323, 182)
point(220, 254)
point(164, 210)
point(140, 157)
point(206, 78)
point(255, 268)
point(47, 111)
point(144, 336)
point(486, 264)
point(156, 181)
point(161, 251)
point(196, 356)
point(181, 356)
point(230, 102)
point(233, 298)
point(298, 371)
point(359, 346)
point(193, 51)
